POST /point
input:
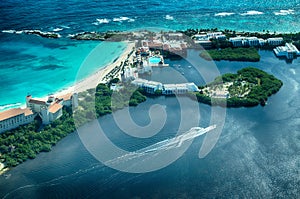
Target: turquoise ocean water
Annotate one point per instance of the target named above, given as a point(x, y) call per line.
point(29, 64)
point(36, 66)
point(257, 154)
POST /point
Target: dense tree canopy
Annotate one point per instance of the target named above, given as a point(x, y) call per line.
point(232, 54)
point(262, 84)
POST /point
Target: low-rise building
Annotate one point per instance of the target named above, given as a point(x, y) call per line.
point(289, 51)
point(244, 41)
point(166, 89)
point(275, 41)
point(236, 41)
point(149, 86)
point(251, 41)
point(15, 117)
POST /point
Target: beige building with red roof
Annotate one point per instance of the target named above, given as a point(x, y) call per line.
point(48, 111)
point(15, 117)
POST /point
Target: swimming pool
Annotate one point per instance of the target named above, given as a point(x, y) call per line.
point(154, 60)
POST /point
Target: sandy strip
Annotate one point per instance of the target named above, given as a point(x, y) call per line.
point(93, 80)
point(2, 169)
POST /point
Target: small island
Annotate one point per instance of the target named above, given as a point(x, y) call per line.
point(232, 54)
point(248, 87)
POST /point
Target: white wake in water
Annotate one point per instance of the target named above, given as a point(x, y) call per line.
point(162, 146)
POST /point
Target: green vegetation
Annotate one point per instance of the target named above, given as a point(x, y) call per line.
point(106, 101)
point(232, 54)
point(249, 87)
point(25, 142)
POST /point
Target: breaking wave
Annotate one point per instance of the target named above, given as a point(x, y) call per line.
point(224, 14)
point(252, 12)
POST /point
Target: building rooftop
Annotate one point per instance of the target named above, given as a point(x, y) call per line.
point(66, 97)
point(275, 39)
point(55, 107)
point(35, 101)
point(14, 112)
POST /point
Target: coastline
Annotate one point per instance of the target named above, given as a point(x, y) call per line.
point(95, 78)
point(87, 83)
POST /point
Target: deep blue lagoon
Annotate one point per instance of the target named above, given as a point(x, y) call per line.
point(257, 154)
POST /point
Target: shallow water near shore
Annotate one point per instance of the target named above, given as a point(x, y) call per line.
point(39, 66)
point(256, 155)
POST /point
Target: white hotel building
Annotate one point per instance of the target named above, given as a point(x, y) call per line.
point(289, 51)
point(167, 89)
point(254, 41)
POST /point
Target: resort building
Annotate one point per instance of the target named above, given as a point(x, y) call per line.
point(166, 89)
point(51, 113)
point(49, 110)
point(70, 99)
point(262, 42)
point(149, 86)
point(168, 44)
point(171, 89)
point(251, 41)
point(289, 51)
point(129, 74)
point(236, 41)
point(215, 35)
point(15, 117)
point(275, 41)
point(204, 39)
point(244, 41)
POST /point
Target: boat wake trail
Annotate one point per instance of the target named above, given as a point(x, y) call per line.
point(162, 146)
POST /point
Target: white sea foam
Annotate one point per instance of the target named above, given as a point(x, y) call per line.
point(8, 106)
point(8, 31)
point(57, 29)
point(131, 20)
point(223, 14)
point(71, 35)
point(120, 19)
point(100, 21)
point(285, 12)
point(252, 12)
point(169, 17)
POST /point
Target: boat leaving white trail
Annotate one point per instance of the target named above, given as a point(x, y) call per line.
point(164, 145)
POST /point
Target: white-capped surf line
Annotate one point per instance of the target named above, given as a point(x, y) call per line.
point(252, 12)
point(116, 19)
point(121, 19)
point(32, 32)
point(224, 14)
point(100, 21)
point(169, 17)
point(285, 12)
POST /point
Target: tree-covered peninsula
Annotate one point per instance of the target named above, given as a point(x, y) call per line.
point(248, 87)
point(232, 54)
point(25, 142)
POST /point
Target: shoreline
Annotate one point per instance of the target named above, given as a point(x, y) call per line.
point(87, 83)
point(96, 77)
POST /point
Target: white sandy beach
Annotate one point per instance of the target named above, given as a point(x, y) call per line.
point(93, 80)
